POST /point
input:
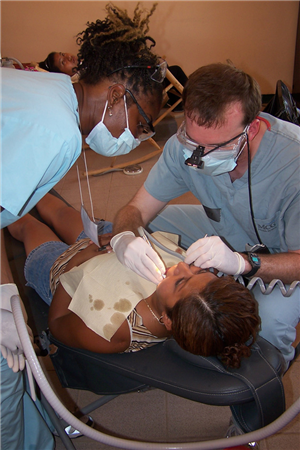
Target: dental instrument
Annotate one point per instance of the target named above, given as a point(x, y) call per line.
point(148, 237)
point(145, 235)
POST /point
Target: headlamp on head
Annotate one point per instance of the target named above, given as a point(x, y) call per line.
point(196, 159)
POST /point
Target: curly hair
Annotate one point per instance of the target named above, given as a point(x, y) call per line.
point(115, 42)
point(222, 320)
point(212, 88)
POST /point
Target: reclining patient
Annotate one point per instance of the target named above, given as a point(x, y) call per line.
point(100, 305)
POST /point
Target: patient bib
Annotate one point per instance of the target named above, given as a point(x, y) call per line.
point(104, 292)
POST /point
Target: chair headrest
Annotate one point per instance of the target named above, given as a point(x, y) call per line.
point(210, 362)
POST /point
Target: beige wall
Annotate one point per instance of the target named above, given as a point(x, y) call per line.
point(258, 36)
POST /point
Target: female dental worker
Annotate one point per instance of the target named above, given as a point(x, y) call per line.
point(43, 119)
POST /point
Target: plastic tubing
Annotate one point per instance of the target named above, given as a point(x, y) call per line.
point(161, 246)
point(8, 58)
point(286, 292)
point(56, 404)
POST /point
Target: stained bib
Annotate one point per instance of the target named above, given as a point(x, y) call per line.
point(104, 292)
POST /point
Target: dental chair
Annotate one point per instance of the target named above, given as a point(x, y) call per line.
point(254, 392)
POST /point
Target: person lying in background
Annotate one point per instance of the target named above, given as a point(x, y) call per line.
point(63, 62)
point(98, 304)
point(59, 62)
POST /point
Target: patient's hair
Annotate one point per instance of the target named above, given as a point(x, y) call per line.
point(48, 64)
point(115, 42)
point(212, 88)
point(222, 320)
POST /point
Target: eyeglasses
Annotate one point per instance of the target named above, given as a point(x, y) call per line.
point(185, 140)
point(144, 130)
point(158, 72)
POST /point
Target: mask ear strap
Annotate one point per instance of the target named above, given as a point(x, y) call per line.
point(242, 148)
point(104, 111)
point(126, 111)
point(246, 143)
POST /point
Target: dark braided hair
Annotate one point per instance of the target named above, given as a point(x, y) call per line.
point(48, 64)
point(118, 41)
point(222, 320)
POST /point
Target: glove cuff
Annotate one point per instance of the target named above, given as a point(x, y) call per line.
point(242, 264)
point(117, 237)
point(6, 292)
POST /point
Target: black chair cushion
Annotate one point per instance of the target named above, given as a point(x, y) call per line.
point(254, 392)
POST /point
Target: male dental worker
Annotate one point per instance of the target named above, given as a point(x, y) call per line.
point(243, 167)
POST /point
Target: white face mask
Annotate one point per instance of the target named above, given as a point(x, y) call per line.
point(89, 226)
point(103, 142)
point(218, 161)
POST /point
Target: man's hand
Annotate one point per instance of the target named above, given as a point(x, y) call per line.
point(212, 252)
point(140, 257)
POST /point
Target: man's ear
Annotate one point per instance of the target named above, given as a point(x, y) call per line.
point(253, 129)
point(115, 94)
point(167, 321)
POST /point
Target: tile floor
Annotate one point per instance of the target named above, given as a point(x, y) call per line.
point(152, 415)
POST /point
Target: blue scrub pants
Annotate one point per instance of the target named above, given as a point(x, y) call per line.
point(23, 422)
point(279, 315)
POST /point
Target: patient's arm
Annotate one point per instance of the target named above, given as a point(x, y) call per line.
point(68, 328)
point(6, 275)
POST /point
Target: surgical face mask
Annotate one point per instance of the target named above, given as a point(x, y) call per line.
point(89, 226)
point(220, 161)
point(103, 142)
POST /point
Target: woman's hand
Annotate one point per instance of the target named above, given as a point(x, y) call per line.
point(90, 251)
point(104, 241)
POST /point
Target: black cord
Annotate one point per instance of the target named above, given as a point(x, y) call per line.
point(250, 193)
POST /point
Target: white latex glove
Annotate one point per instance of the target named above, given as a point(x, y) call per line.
point(11, 347)
point(212, 252)
point(15, 359)
point(139, 256)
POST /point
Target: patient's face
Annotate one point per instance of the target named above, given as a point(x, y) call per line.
point(181, 280)
point(65, 62)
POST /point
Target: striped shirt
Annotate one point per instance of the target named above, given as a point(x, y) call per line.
point(141, 337)
point(59, 265)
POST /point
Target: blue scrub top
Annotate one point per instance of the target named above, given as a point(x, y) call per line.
point(225, 205)
point(40, 138)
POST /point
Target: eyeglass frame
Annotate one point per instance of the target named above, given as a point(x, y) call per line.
point(199, 146)
point(143, 114)
point(163, 66)
point(198, 153)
